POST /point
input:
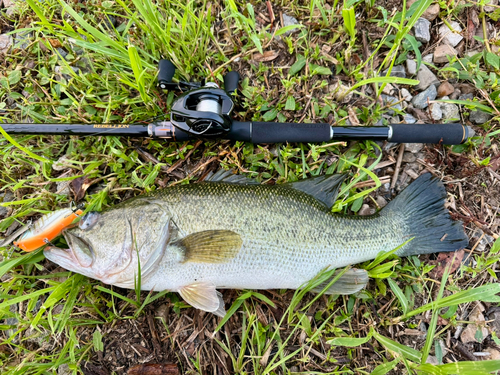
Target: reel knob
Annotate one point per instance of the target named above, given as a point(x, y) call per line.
point(166, 73)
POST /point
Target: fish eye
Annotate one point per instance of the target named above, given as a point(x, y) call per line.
point(89, 220)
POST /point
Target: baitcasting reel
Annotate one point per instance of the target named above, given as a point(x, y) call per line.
point(206, 109)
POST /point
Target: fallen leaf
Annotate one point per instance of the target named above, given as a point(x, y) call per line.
point(352, 117)
point(475, 330)
point(154, 369)
point(444, 260)
point(80, 186)
point(266, 56)
point(55, 43)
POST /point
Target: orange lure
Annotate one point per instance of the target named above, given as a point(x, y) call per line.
point(47, 228)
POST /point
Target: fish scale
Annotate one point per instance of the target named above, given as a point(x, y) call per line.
point(280, 247)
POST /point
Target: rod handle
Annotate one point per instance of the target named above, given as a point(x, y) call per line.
point(448, 134)
point(274, 132)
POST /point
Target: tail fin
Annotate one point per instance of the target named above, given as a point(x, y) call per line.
point(421, 207)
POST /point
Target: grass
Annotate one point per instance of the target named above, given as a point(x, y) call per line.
point(53, 318)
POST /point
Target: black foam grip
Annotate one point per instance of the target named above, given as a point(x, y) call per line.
point(231, 81)
point(272, 132)
point(448, 134)
point(166, 71)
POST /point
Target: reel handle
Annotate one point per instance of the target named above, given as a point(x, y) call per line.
point(231, 80)
point(166, 71)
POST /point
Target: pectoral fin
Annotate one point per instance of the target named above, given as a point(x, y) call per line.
point(350, 282)
point(210, 246)
point(203, 296)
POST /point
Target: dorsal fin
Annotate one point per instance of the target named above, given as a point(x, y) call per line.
point(323, 188)
point(229, 177)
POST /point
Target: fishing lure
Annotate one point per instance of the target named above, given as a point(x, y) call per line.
point(47, 228)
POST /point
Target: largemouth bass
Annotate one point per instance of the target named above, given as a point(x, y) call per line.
point(227, 233)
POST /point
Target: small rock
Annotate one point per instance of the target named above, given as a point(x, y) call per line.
point(341, 92)
point(436, 112)
point(414, 147)
point(392, 102)
point(397, 71)
point(411, 67)
point(289, 21)
point(7, 197)
point(405, 94)
point(450, 111)
point(381, 201)
point(110, 21)
point(422, 30)
point(479, 117)
point(485, 240)
point(432, 360)
point(428, 58)
point(451, 37)
point(64, 370)
point(442, 52)
point(388, 89)
point(23, 39)
point(366, 210)
point(466, 97)
point(426, 78)
point(432, 12)
point(5, 42)
point(62, 52)
point(409, 157)
point(456, 94)
point(476, 330)
point(9, 3)
point(473, 52)
point(409, 119)
point(420, 101)
point(445, 89)
point(63, 188)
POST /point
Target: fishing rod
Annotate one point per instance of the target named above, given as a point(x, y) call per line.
point(203, 110)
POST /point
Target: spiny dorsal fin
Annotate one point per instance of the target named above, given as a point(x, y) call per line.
point(203, 295)
point(210, 246)
point(323, 188)
point(229, 177)
point(350, 282)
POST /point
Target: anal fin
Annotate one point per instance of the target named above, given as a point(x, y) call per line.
point(203, 296)
point(350, 282)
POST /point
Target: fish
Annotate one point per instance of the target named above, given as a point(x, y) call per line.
point(231, 233)
point(47, 228)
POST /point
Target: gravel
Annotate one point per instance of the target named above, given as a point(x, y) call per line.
point(409, 119)
point(405, 94)
point(422, 30)
point(436, 112)
point(479, 117)
point(420, 101)
point(450, 111)
point(5, 42)
point(414, 147)
point(411, 67)
point(426, 78)
point(451, 37)
point(289, 21)
point(397, 71)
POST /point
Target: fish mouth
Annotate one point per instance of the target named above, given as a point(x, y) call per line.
point(62, 257)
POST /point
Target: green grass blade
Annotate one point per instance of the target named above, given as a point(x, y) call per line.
point(407, 352)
